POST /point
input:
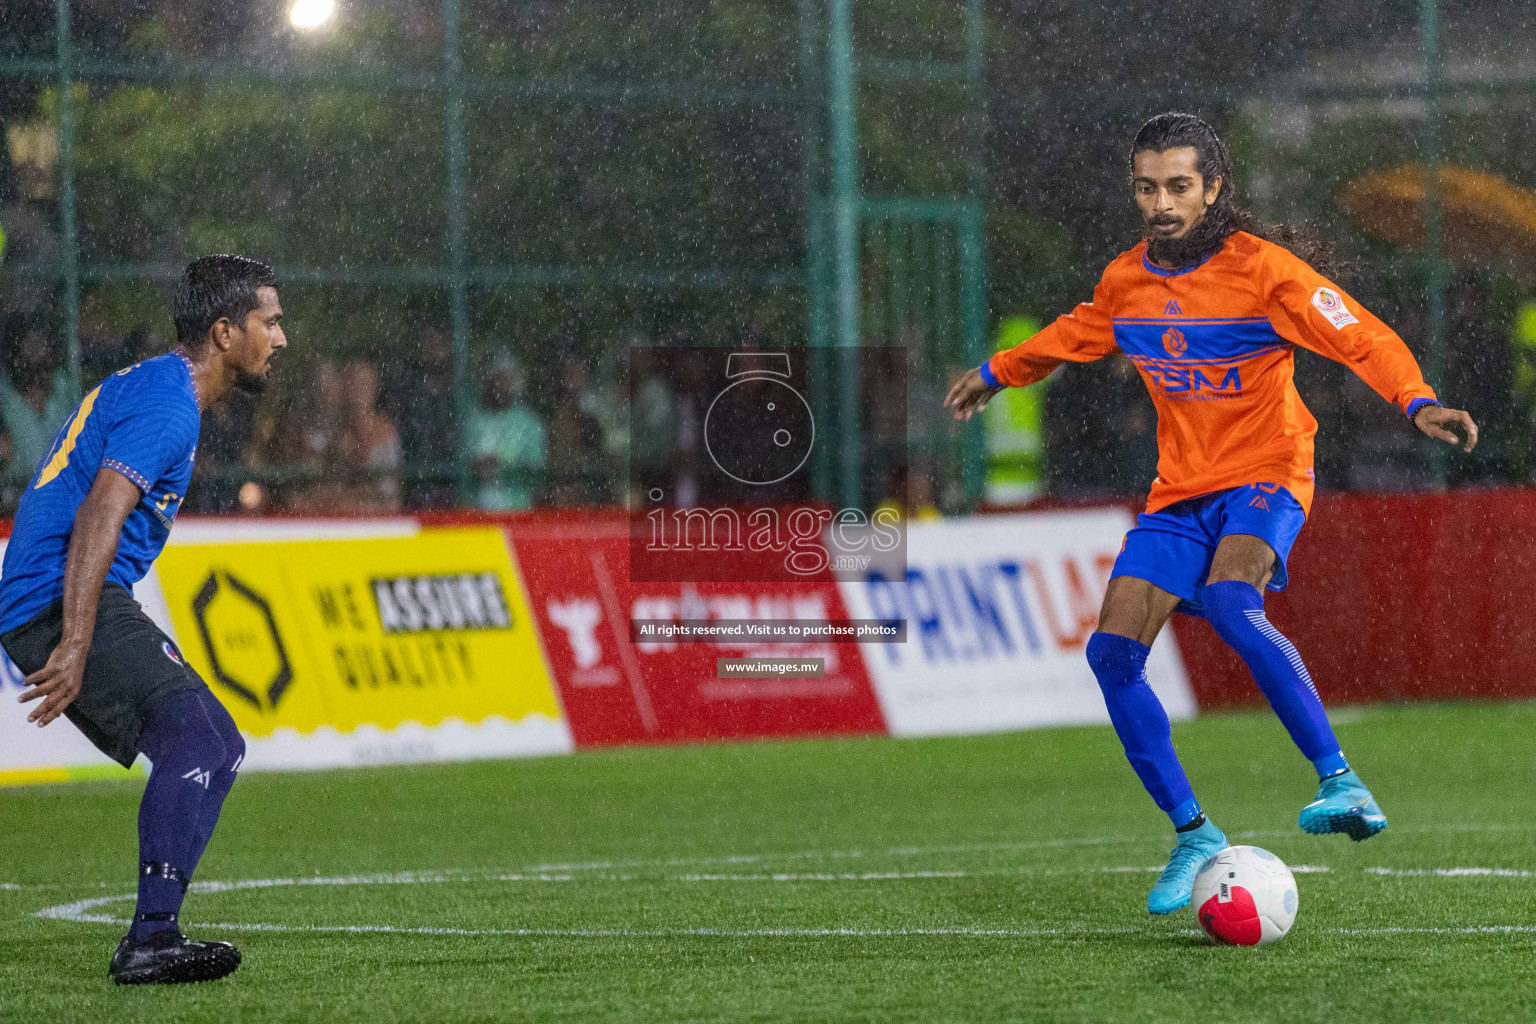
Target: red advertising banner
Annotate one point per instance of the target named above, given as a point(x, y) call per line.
point(1398, 597)
point(616, 690)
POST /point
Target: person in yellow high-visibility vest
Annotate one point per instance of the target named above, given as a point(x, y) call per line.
point(1015, 438)
point(1522, 344)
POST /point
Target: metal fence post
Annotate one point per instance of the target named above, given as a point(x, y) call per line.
point(458, 255)
point(71, 238)
point(818, 293)
point(973, 245)
point(845, 231)
point(1434, 342)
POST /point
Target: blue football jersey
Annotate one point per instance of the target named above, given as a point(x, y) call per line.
point(141, 422)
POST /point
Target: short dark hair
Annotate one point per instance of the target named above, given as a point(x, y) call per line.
point(213, 288)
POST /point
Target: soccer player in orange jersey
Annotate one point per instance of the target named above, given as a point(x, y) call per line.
point(1210, 311)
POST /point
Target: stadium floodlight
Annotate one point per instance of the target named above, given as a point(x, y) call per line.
point(311, 14)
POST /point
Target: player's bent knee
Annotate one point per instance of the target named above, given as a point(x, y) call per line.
point(205, 745)
point(1228, 604)
point(1115, 660)
point(229, 733)
point(177, 727)
point(195, 754)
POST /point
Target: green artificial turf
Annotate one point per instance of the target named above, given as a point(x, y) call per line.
point(968, 879)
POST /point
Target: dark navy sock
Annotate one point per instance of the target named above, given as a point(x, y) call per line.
point(1236, 610)
point(223, 779)
point(185, 752)
point(1119, 663)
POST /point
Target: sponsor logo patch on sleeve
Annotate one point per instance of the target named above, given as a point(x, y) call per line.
point(1329, 303)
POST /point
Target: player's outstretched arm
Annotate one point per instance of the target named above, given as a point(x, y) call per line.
point(1442, 423)
point(92, 546)
point(969, 395)
point(1081, 336)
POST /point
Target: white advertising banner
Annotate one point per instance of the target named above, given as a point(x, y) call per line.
point(58, 751)
point(998, 611)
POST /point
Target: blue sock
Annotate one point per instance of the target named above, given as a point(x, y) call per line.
point(1236, 610)
point(186, 753)
point(1120, 665)
point(223, 779)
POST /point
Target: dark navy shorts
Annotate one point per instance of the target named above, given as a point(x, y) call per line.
point(1172, 548)
point(131, 667)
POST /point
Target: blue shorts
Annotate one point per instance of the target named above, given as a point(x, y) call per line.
point(1172, 548)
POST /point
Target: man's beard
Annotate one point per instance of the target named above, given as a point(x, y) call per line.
point(1200, 243)
point(249, 383)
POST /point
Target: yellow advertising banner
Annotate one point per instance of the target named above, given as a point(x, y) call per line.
point(372, 632)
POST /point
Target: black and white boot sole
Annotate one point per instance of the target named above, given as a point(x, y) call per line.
point(216, 961)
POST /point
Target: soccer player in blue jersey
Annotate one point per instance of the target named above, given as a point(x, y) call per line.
point(94, 517)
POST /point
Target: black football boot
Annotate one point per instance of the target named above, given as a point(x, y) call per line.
point(168, 957)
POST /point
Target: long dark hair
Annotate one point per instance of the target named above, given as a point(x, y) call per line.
point(1224, 216)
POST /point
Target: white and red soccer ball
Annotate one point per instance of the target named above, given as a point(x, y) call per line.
point(1245, 896)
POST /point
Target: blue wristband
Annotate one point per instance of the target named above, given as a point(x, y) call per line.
point(990, 378)
point(1417, 404)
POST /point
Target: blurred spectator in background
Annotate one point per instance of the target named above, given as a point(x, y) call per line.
point(296, 437)
point(910, 493)
point(506, 439)
point(35, 393)
point(222, 446)
point(419, 396)
point(104, 351)
point(582, 472)
point(696, 378)
point(653, 428)
point(25, 214)
point(364, 457)
point(1479, 375)
point(606, 396)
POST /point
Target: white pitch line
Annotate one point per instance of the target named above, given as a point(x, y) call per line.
point(1296, 869)
point(82, 911)
point(751, 933)
point(1452, 872)
point(894, 851)
point(67, 911)
point(871, 876)
point(1001, 846)
point(1476, 929)
point(386, 878)
point(681, 933)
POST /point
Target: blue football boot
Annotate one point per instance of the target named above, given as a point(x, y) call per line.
point(1178, 879)
point(1343, 804)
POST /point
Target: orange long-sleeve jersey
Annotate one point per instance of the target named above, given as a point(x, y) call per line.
point(1215, 345)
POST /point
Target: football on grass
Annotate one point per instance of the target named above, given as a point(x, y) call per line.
point(1245, 896)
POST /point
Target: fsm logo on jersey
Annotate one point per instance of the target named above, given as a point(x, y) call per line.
point(1205, 381)
point(998, 611)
